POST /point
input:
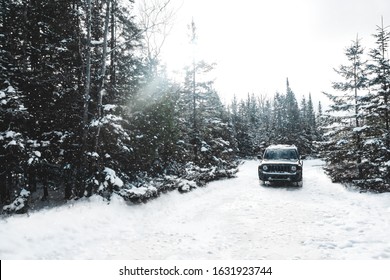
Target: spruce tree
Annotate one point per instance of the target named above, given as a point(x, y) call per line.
point(292, 124)
point(311, 117)
point(379, 69)
point(344, 146)
point(377, 138)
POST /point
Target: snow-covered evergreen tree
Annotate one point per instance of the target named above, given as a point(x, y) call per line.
point(379, 68)
point(357, 148)
point(311, 115)
point(292, 117)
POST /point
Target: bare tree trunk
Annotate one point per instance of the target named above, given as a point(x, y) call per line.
point(113, 45)
point(87, 96)
point(87, 93)
point(358, 141)
point(195, 126)
point(102, 74)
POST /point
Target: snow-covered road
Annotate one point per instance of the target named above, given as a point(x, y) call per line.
point(229, 219)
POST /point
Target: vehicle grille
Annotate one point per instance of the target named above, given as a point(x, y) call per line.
point(279, 168)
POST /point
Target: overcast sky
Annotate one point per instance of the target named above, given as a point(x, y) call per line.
point(257, 44)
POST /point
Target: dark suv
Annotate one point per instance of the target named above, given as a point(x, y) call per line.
point(281, 163)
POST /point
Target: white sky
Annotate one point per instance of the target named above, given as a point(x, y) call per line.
point(257, 44)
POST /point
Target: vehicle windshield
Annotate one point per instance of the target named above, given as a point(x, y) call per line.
point(276, 154)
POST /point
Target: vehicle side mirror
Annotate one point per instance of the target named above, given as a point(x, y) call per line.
point(259, 157)
point(303, 157)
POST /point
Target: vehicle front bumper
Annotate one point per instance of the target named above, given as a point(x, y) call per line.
point(280, 176)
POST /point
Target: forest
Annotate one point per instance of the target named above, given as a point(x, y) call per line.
point(87, 108)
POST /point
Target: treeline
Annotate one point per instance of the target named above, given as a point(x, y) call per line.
point(260, 121)
point(357, 135)
point(86, 108)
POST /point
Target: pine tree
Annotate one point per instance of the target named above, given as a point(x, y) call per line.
point(292, 124)
point(311, 117)
point(319, 114)
point(303, 113)
point(377, 137)
point(279, 114)
point(379, 69)
point(345, 135)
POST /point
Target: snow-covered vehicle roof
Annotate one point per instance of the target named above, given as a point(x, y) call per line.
point(281, 147)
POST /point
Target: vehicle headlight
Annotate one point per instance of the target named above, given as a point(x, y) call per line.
point(293, 168)
point(265, 167)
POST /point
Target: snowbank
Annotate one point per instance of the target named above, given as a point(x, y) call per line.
point(19, 205)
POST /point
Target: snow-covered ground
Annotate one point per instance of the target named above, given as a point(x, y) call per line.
point(229, 219)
